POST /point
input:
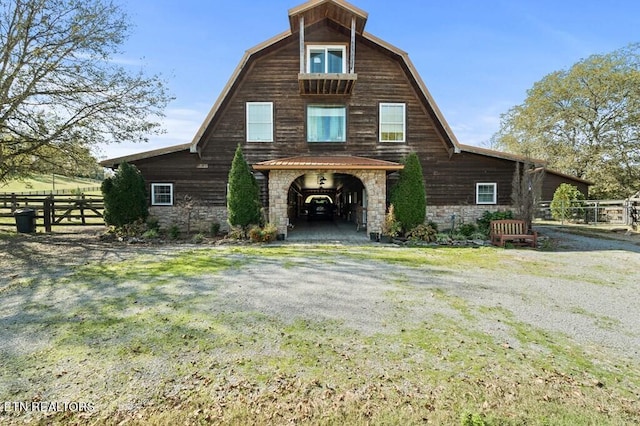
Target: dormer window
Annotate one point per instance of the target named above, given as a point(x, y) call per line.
point(326, 59)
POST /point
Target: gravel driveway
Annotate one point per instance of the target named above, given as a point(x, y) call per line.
point(587, 288)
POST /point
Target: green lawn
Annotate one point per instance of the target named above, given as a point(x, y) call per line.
point(47, 183)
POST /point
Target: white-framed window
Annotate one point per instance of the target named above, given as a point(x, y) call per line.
point(161, 194)
point(326, 123)
point(326, 59)
point(392, 122)
point(486, 193)
point(259, 121)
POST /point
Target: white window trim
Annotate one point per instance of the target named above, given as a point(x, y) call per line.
point(326, 47)
point(270, 104)
point(153, 194)
point(495, 193)
point(344, 127)
point(404, 121)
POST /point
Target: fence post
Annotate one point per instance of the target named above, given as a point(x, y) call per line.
point(48, 204)
point(84, 222)
point(14, 203)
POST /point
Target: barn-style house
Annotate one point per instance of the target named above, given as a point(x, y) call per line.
point(326, 111)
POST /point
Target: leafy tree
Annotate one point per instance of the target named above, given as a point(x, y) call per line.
point(409, 195)
point(584, 121)
point(567, 203)
point(243, 200)
point(125, 196)
point(61, 92)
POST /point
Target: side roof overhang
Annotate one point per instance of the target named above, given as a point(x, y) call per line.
point(521, 159)
point(336, 10)
point(113, 163)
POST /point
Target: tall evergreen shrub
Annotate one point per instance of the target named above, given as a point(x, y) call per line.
point(125, 196)
point(409, 195)
point(243, 199)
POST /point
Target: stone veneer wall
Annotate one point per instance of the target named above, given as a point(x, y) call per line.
point(374, 181)
point(201, 217)
point(464, 214)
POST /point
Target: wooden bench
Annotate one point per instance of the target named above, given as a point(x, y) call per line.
point(514, 231)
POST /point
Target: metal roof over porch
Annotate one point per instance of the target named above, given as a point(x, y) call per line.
point(327, 163)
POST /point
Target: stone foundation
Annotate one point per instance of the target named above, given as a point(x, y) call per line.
point(441, 215)
point(201, 217)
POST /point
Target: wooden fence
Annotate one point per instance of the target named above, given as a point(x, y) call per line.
point(53, 210)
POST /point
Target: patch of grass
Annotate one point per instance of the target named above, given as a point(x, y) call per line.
point(183, 264)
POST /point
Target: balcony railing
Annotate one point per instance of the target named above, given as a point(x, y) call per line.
point(327, 83)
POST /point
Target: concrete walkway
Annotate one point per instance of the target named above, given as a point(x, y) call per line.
point(327, 231)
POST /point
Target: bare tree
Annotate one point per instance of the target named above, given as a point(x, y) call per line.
point(526, 188)
point(61, 92)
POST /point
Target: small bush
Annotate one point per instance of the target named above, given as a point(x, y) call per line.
point(150, 234)
point(173, 232)
point(198, 238)
point(390, 226)
point(263, 235)
point(567, 203)
point(467, 229)
point(134, 229)
point(236, 233)
point(214, 229)
point(153, 223)
point(423, 233)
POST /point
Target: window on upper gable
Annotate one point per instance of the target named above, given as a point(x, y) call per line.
point(326, 59)
point(259, 121)
point(486, 193)
point(392, 122)
point(161, 194)
point(326, 123)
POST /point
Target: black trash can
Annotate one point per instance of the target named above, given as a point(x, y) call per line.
point(25, 220)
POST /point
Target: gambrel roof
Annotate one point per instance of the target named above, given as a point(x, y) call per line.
point(342, 13)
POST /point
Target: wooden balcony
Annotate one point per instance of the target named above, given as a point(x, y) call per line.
point(326, 84)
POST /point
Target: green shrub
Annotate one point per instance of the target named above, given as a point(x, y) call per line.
point(423, 233)
point(150, 234)
point(198, 238)
point(125, 196)
point(243, 201)
point(173, 232)
point(409, 195)
point(153, 223)
point(568, 203)
point(467, 229)
point(484, 223)
point(214, 229)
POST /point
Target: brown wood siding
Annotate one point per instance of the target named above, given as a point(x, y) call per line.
point(552, 181)
point(181, 169)
point(272, 76)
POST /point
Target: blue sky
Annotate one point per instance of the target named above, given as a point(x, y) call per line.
point(477, 58)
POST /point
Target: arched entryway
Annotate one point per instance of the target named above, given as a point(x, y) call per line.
point(324, 204)
point(285, 174)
